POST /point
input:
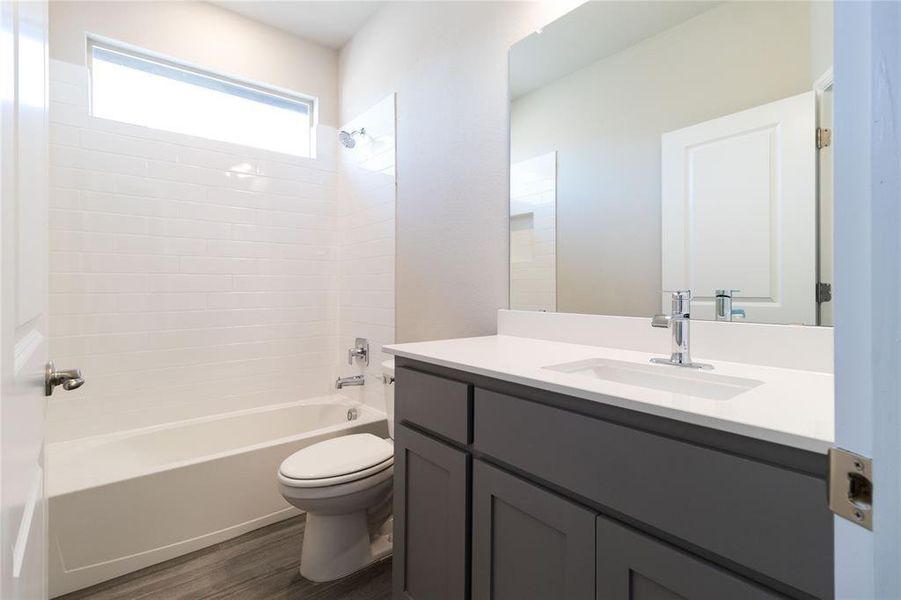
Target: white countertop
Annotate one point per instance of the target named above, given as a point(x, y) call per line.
point(791, 407)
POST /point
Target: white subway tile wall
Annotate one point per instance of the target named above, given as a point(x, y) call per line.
point(533, 233)
point(366, 204)
point(191, 277)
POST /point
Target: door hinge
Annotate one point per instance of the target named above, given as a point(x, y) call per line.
point(823, 292)
point(851, 486)
point(824, 137)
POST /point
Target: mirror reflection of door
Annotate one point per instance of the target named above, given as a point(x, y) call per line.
point(606, 85)
point(739, 211)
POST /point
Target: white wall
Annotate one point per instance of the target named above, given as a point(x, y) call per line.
point(605, 122)
point(366, 192)
point(822, 25)
point(447, 61)
point(188, 277)
point(204, 35)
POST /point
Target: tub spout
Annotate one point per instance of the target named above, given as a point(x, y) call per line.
point(352, 380)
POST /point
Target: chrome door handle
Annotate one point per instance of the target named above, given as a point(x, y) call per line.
point(70, 379)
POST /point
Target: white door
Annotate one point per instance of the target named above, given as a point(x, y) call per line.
point(23, 298)
point(739, 211)
point(867, 165)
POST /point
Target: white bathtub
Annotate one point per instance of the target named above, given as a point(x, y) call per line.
point(124, 501)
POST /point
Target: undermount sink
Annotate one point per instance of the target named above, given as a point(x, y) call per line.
point(677, 380)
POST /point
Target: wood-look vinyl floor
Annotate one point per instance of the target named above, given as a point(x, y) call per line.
point(260, 565)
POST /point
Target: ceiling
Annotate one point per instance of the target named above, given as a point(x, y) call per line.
point(329, 23)
point(593, 31)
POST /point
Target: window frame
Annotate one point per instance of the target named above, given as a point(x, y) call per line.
point(255, 91)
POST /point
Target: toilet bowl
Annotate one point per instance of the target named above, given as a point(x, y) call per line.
point(344, 485)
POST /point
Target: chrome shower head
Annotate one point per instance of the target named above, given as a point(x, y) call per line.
point(347, 139)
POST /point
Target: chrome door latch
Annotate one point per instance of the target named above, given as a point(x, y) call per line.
point(851, 486)
point(70, 379)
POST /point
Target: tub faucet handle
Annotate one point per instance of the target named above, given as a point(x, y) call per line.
point(359, 351)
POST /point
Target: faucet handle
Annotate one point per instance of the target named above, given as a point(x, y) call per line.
point(663, 321)
point(360, 351)
point(727, 293)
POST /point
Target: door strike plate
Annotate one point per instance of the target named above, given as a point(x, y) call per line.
point(851, 486)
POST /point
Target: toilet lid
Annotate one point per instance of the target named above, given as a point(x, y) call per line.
point(337, 457)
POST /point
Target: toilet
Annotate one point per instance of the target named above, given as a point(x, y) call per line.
point(344, 485)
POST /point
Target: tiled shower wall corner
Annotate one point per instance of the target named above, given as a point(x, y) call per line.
point(191, 277)
point(366, 205)
point(533, 234)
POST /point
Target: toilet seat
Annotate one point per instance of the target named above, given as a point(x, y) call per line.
point(339, 460)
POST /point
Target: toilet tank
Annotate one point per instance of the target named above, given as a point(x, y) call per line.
point(388, 387)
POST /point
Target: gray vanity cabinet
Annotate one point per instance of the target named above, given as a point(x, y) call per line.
point(506, 492)
point(528, 543)
point(634, 566)
point(430, 508)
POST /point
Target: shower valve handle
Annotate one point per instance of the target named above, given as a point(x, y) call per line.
point(360, 351)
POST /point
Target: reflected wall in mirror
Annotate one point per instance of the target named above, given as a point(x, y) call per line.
point(674, 145)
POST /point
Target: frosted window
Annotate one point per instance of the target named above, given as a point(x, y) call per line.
point(136, 89)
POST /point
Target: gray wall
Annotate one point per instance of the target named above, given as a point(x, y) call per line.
point(605, 122)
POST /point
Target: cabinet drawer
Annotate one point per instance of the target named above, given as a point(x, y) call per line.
point(441, 405)
point(765, 518)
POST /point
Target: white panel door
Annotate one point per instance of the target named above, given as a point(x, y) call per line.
point(23, 298)
point(739, 211)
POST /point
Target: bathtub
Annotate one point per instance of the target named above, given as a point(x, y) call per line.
point(124, 501)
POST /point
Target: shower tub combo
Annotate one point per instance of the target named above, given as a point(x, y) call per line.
point(124, 501)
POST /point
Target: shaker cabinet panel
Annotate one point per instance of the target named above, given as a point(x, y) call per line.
point(528, 543)
point(770, 519)
point(430, 518)
point(633, 566)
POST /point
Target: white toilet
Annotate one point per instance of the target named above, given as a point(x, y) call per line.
point(344, 485)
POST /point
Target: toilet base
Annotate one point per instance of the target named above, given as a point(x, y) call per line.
point(335, 546)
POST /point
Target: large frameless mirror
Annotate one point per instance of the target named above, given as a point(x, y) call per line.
point(658, 146)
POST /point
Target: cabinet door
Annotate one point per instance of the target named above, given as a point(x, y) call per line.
point(633, 566)
point(430, 518)
point(528, 543)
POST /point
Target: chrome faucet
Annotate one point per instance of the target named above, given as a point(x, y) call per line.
point(723, 306)
point(352, 380)
point(678, 320)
